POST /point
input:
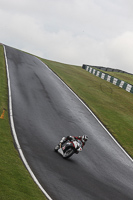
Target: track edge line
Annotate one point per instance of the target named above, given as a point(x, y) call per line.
point(15, 135)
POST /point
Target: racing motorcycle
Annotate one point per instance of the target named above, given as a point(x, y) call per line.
point(68, 148)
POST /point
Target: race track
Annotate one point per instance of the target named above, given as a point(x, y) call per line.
point(45, 110)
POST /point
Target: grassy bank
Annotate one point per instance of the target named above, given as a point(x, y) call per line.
point(111, 104)
point(15, 181)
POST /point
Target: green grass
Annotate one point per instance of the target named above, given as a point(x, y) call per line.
point(15, 181)
point(111, 104)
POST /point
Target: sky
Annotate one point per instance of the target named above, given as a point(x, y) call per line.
point(77, 32)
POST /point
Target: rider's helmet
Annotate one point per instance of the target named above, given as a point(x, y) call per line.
point(84, 138)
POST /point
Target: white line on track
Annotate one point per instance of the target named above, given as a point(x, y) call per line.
point(15, 135)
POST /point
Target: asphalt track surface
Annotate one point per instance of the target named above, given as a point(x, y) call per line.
point(45, 110)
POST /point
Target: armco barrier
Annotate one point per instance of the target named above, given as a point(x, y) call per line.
point(107, 69)
point(109, 78)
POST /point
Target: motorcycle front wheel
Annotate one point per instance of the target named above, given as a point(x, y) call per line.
point(56, 148)
point(68, 152)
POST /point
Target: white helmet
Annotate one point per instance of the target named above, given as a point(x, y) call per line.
point(84, 138)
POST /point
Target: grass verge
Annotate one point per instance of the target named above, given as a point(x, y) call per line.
point(111, 104)
point(15, 181)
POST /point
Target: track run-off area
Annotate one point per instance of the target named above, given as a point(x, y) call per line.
point(43, 110)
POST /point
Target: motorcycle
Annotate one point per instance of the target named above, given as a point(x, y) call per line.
point(68, 148)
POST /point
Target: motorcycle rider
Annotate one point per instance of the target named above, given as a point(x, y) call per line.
point(81, 139)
